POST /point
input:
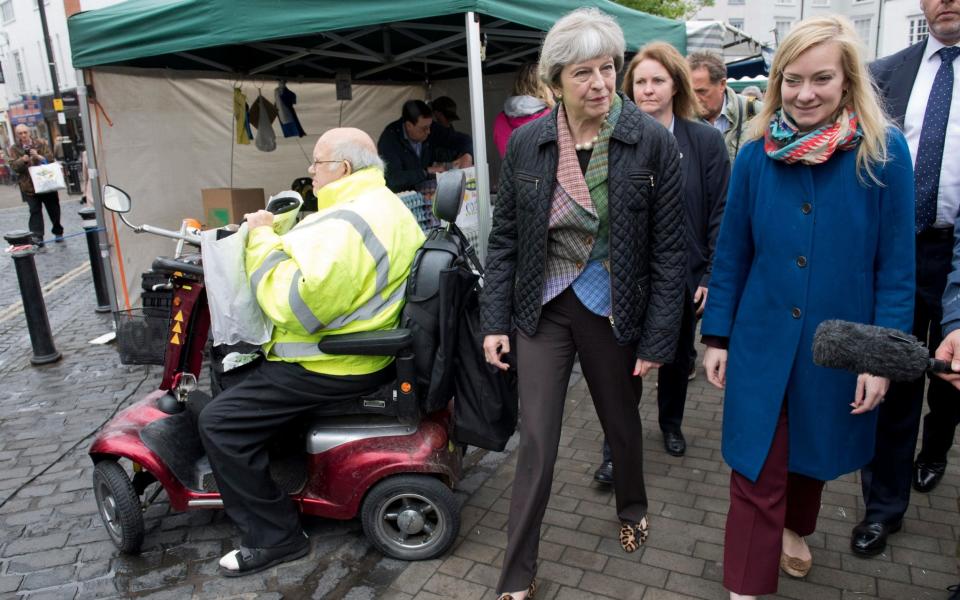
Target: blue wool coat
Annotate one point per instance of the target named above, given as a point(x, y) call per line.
point(798, 245)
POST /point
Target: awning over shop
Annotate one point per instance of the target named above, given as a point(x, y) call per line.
point(375, 40)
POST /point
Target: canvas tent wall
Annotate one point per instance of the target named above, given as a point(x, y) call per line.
point(171, 128)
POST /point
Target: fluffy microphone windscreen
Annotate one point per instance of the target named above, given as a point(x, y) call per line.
point(869, 349)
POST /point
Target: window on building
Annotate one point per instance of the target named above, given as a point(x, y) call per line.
point(735, 2)
point(6, 11)
point(781, 27)
point(820, 3)
point(864, 29)
point(18, 66)
point(786, 2)
point(738, 23)
point(918, 29)
point(861, 1)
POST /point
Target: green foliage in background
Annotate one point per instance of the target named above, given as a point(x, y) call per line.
point(672, 9)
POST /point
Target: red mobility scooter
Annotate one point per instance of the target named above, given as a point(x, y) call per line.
point(377, 456)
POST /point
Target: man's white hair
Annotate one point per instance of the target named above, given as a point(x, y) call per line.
point(357, 155)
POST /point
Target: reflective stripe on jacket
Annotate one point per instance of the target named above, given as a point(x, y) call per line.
point(340, 270)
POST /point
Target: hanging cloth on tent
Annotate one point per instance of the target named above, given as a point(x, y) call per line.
point(262, 114)
point(289, 122)
point(241, 121)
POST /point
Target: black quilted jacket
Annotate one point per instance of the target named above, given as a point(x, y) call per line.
point(647, 255)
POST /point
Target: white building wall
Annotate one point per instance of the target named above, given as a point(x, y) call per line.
point(903, 25)
point(21, 37)
point(768, 20)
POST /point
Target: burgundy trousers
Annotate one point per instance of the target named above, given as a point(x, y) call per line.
point(759, 512)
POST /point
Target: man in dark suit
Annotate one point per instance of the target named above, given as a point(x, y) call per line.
point(405, 147)
point(919, 87)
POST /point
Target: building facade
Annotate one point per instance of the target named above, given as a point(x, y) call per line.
point(26, 93)
point(768, 21)
point(903, 25)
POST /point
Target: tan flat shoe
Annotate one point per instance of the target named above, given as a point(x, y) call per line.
point(795, 567)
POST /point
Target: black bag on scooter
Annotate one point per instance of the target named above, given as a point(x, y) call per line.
point(485, 410)
point(438, 284)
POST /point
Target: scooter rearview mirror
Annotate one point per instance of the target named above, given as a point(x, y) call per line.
point(115, 199)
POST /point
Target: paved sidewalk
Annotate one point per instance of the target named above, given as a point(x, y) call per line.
point(580, 557)
point(53, 545)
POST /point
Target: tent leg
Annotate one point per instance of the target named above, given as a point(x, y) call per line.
point(479, 131)
point(89, 137)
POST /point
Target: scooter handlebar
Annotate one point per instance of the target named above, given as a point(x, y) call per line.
point(174, 235)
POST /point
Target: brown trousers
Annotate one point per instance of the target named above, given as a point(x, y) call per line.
point(759, 512)
point(544, 363)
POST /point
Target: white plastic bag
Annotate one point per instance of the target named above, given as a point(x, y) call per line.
point(235, 315)
point(47, 178)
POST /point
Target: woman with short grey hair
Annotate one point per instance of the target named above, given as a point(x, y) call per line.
point(585, 257)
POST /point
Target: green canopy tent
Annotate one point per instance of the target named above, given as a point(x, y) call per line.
point(364, 41)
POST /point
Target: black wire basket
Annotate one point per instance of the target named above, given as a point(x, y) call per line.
point(142, 336)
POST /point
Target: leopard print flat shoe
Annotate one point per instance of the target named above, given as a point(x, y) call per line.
point(632, 536)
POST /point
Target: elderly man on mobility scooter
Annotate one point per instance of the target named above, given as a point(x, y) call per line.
point(341, 270)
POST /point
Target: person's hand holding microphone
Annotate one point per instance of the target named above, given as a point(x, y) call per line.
point(949, 351)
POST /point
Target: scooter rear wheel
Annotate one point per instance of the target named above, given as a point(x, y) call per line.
point(411, 517)
point(119, 506)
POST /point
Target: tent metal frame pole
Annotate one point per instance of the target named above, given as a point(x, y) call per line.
point(479, 131)
point(93, 171)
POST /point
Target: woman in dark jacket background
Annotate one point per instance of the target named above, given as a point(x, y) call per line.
point(586, 256)
point(658, 81)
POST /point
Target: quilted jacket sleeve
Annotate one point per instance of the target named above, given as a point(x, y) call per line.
point(668, 260)
point(497, 297)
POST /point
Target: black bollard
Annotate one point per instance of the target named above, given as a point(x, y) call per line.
point(34, 308)
point(89, 216)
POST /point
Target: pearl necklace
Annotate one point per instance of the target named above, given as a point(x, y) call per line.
point(589, 145)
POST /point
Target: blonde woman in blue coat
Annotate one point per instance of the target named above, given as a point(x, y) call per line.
point(819, 225)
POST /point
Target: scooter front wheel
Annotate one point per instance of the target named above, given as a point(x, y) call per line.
point(411, 517)
point(119, 506)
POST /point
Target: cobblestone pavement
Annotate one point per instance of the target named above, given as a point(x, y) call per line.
point(53, 545)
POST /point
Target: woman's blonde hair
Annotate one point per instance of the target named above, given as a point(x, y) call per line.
point(860, 94)
point(684, 102)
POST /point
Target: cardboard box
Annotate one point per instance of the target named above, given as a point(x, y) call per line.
point(222, 206)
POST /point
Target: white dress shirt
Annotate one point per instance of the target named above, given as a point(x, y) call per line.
point(948, 197)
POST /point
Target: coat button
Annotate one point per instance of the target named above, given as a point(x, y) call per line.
point(588, 240)
point(796, 312)
point(579, 265)
point(806, 208)
point(801, 261)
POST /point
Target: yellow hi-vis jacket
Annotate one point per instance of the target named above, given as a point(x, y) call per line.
point(340, 270)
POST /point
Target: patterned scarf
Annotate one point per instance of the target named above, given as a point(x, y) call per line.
point(783, 140)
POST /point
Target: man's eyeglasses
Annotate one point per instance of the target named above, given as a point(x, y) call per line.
point(320, 162)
